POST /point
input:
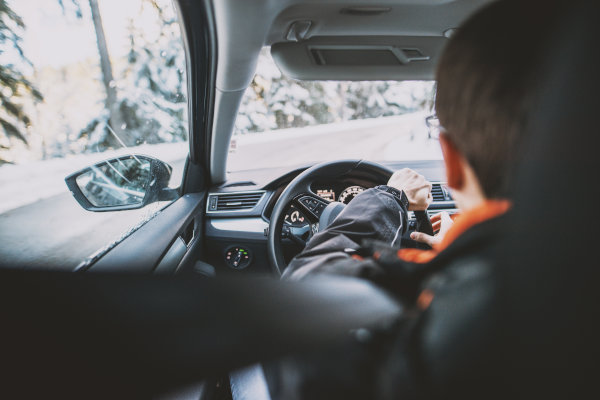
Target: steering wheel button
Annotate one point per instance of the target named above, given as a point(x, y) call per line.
point(319, 209)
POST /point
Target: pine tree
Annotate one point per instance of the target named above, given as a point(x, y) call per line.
point(13, 84)
point(156, 100)
point(152, 92)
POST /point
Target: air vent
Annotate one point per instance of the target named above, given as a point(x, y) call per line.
point(439, 193)
point(238, 201)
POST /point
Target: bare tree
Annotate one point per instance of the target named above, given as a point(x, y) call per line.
point(115, 119)
point(111, 103)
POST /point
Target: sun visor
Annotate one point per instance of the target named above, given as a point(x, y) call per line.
point(360, 58)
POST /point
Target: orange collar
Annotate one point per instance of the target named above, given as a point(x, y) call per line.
point(487, 210)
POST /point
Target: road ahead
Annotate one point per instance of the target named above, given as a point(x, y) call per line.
point(55, 231)
point(393, 138)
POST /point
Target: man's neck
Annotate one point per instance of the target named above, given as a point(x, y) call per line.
point(469, 196)
point(467, 203)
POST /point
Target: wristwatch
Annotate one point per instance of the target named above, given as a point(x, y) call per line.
point(399, 195)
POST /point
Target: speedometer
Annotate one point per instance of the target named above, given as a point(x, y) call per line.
point(350, 193)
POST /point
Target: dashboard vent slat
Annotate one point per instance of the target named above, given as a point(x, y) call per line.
point(439, 194)
point(238, 201)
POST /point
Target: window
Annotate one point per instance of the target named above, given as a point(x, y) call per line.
point(285, 122)
point(82, 81)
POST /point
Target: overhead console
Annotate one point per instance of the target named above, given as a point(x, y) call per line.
point(359, 58)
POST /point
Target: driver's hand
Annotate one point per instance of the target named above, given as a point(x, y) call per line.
point(441, 222)
point(415, 186)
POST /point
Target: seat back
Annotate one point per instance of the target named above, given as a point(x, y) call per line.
point(549, 267)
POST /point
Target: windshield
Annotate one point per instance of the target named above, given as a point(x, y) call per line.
point(285, 122)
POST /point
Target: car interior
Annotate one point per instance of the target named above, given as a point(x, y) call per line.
point(190, 305)
point(396, 40)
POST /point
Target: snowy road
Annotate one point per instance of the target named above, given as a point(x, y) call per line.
point(52, 229)
point(384, 139)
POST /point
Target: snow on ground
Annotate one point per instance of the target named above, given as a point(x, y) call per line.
point(412, 143)
point(378, 139)
point(338, 127)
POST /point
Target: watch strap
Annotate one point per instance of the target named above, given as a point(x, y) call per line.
point(399, 195)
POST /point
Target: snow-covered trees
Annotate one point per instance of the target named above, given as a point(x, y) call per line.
point(274, 101)
point(122, 82)
point(155, 80)
point(14, 121)
point(150, 93)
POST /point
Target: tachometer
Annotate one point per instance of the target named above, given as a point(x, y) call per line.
point(350, 193)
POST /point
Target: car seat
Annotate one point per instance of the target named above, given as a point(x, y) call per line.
point(548, 269)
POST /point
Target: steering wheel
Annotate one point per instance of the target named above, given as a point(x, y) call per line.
point(299, 193)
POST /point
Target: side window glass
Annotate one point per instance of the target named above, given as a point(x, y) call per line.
point(82, 81)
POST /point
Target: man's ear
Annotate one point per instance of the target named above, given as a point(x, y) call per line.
point(453, 160)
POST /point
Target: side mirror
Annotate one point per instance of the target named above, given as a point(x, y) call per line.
point(122, 183)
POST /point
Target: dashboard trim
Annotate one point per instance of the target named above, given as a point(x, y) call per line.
point(237, 228)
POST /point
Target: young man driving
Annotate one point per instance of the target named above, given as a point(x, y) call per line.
point(486, 80)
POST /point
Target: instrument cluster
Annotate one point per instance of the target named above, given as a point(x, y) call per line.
point(343, 191)
point(343, 195)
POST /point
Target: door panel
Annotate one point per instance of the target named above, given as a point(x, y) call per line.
point(142, 251)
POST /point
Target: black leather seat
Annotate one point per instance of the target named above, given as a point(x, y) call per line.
point(549, 267)
point(533, 333)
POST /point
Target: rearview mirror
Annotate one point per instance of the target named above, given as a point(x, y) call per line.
point(122, 183)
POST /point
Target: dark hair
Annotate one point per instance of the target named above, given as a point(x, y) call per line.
point(486, 80)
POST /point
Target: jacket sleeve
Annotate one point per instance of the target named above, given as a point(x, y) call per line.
point(373, 214)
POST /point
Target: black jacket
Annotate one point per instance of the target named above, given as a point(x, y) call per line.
point(373, 215)
point(442, 347)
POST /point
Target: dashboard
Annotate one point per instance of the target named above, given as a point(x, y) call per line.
point(238, 213)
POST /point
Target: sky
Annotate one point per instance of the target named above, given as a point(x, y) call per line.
point(55, 39)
